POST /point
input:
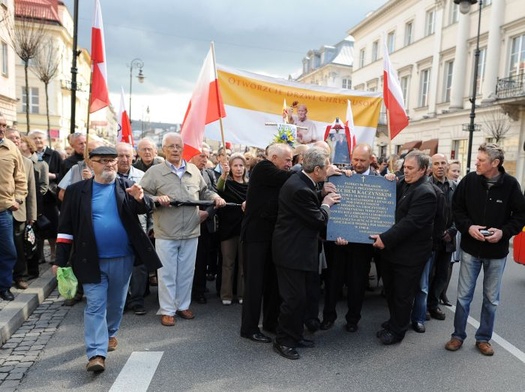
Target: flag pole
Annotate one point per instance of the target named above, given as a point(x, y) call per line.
point(390, 163)
point(88, 113)
point(221, 125)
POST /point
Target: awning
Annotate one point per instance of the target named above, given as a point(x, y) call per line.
point(430, 147)
point(409, 146)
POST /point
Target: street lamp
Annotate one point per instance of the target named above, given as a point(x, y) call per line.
point(464, 8)
point(137, 63)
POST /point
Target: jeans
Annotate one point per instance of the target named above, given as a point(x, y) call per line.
point(7, 250)
point(105, 304)
point(176, 274)
point(419, 309)
point(470, 268)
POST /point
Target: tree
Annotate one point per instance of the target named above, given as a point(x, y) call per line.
point(26, 36)
point(45, 66)
point(497, 124)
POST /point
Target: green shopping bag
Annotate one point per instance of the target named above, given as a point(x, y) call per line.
point(67, 282)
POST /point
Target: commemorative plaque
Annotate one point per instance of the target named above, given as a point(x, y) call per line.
point(368, 205)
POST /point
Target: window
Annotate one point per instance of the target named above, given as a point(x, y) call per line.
point(5, 68)
point(517, 56)
point(454, 13)
point(447, 80)
point(409, 27)
point(423, 87)
point(33, 100)
point(361, 58)
point(430, 22)
point(375, 48)
point(404, 81)
point(481, 69)
point(347, 83)
point(391, 41)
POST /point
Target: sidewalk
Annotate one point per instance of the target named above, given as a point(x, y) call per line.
point(14, 313)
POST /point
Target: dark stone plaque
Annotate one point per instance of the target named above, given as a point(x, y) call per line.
point(368, 205)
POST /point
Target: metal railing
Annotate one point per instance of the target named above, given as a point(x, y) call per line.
point(511, 87)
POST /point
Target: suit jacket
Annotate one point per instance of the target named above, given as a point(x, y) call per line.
point(300, 219)
point(409, 240)
point(77, 238)
point(260, 215)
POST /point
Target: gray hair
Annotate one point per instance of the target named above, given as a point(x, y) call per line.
point(170, 134)
point(277, 149)
point(313, 157)
point(493, 151)
point(146, 140)
point(38, 131)
point(422, 159)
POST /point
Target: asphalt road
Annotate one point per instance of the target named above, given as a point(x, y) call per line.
point(207, 354)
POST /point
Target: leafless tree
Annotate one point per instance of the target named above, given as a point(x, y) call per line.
point(26, 34)
point(497, 124)
point(45, 66)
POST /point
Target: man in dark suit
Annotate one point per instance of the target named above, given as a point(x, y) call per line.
point(260, 215)
point(407, 245)
point(301, 217)
point(99, 224)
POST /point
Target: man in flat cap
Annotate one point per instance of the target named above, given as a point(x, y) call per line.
point(99, 224)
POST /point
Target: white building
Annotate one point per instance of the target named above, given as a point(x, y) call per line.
point(432, 47)
point(7, 65)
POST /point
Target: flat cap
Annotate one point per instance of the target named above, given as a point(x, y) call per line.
point(103, 151)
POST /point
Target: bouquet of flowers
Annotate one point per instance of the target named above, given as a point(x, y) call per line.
point(286, 133)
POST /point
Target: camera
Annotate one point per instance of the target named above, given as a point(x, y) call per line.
point(486, 233)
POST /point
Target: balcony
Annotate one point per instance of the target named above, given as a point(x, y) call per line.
point(511, 87)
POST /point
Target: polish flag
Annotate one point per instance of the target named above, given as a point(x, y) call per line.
point(393, 96)
point(206, 106)
point(350, 137)
point(124, 134)
point(99, 87)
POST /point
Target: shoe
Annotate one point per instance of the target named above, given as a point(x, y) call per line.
point(112, 343)
point(389, 338)
point(418, 327)
point(284, 351)
point(139, 310)
point(258, 337)
point(153, 281)
point(167, 321)
point(454, 344)
point(351, 327)
point(427, 316)
point(73, 301)
point(7, 295)
point(21, 284)
point(485, 348)
point(306, 343)
point(96, 364)
point(201, 299)
point(312, 325)
point(437, 314)
point(385, 324)
point(185, 314)
point(381, 332)
point(444, 301)
point(227, 302)
point(326, 325)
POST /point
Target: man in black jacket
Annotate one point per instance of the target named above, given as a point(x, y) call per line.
point(99, 224)
point(488, 209)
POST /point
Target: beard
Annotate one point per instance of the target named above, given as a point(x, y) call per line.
point(108, 177)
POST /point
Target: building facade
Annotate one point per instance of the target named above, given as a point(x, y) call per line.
point(7, 64)
point(432, 46)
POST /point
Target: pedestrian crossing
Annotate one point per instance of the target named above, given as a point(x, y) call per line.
point(137, 373)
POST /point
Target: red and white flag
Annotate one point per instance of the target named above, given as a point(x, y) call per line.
point(393, 96)
point(351, 139)
point(99, 87)
point(206, 106)
point(124, 134)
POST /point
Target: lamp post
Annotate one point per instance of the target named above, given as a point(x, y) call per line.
point(135, 63)
point(464, 8)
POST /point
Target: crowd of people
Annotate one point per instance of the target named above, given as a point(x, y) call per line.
point(256, 225)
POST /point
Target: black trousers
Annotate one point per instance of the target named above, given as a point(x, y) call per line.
point(401, 283)
point(260, 288)
point(20, 268)
point(439, 279)
point(350, 265)
point(293, 286)
point(204, 248)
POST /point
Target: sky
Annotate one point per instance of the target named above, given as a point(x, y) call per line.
point(172, 38)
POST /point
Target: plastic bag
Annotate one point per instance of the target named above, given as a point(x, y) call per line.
point(29, 242)
point(67, 282)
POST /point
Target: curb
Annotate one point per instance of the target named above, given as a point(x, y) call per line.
point(13, 315)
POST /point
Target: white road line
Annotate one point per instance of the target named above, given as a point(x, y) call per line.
point(498, 339)
point(138, 371)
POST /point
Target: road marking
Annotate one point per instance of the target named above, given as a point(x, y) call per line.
point(138, 371)
point(498, 339)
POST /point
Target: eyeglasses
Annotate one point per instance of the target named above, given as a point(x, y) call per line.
point(173, 147)
point(105, 161)
point(3, 125)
